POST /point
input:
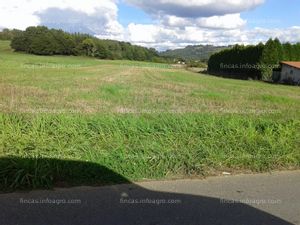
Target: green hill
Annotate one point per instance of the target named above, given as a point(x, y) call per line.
point(193, 52)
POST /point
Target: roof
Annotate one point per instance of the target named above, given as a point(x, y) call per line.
point(292, 63)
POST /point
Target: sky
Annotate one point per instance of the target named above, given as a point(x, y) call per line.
point(162, 24)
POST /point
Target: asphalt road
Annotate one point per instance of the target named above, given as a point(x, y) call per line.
point(242, 200)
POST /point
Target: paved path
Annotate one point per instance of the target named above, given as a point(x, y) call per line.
point(242, 200)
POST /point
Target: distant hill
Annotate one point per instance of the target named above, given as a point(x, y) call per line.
point(194, 52)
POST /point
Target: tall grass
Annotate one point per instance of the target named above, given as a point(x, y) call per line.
point(147, 146)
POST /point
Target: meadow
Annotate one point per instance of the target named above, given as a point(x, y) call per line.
point(142, 120)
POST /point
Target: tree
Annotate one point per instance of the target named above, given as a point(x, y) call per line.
point(101, 51)
point(271, 56)
point(88, 47)
point(18, 43)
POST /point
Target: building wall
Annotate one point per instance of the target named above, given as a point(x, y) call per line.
point(290, 73)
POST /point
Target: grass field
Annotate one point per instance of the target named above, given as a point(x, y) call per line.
point(142, 120)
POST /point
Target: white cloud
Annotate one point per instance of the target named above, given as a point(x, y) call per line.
point(229, 21)
point(195, 8)
point(89, 15)
point(163, 37)
point(290, 34)
point(176, 23)
point(193, 21)
point(143, 33)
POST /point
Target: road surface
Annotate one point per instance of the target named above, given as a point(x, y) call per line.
point(259, 199)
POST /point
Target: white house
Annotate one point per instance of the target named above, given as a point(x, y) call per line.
point(290, 72)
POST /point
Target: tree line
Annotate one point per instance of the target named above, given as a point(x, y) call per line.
point(43, 41)
point(7, 34)
point(253, 61)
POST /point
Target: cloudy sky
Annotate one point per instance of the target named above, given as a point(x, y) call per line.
point(162, 24)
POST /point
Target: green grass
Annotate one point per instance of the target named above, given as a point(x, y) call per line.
point(151, 146)
point(74, 119)
point(30, 83)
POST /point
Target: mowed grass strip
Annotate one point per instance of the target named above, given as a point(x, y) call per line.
point(140, 147)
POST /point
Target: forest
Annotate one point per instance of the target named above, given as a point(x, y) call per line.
point(253, 61)
point(43, 41)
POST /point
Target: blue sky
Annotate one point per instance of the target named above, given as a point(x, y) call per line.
point(162, 24)
point(274, 14)
point(129, 14)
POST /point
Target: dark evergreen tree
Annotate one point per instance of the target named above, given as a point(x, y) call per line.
point(257, 62)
